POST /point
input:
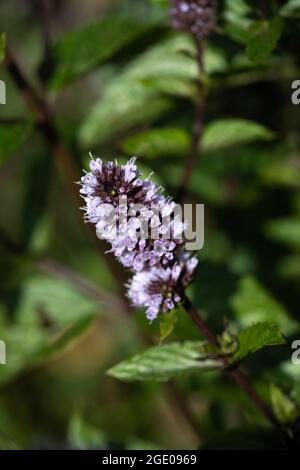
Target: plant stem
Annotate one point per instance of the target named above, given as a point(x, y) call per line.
point(191, 158)
point(236, 374)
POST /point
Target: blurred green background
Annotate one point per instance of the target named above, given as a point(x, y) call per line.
point(119, 82)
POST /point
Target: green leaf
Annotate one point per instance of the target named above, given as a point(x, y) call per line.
point(291, 9)
point(284, 407)
point(285, 230)
point(59, 299)
point(84, 435)
point(237, 22)
point(256, 337)
point(2, 46)
point(81, 50)
point(253, 303)
point(165, 361)
point(167, 324)
point(11, 138)
point(27, 345)
point(63, 340)
point(144, 90)
point(168, 141)
point(264, 35)
point(125, 104)
point(228, 132)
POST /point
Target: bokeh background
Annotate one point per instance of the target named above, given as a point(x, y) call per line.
point(114, 79)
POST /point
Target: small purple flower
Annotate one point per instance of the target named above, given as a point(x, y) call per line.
point(160, 289)
point(194, 16)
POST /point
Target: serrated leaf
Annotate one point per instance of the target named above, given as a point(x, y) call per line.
point(82, 49)
point(256, 337)
point(2, 46)
point(165, 141)
point(11, 138)
point(228, 132)
point(284, 407)
point(253, 303)
point(291, 9)
point(167, 324)
point(264, 35)
point(165, 361)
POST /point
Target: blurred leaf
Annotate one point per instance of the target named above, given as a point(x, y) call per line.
point(60, 342)
point(284, 408)
point(256, 337)
point(22, 344)
point(285, 230)
point(229, 132)
point(11, 138)
point(169, 141)
point(2, 46)
point(289, 266)
point(253, 303)
point(291, 9)
point(80, 50)
point(57, 298)
point(163, 362)
point(83, 435)
point(124, 104)
point(27, 345)
point(264, 35)
point(237, 21)
point(285, 172)
point(167, 324)
point(135, 96)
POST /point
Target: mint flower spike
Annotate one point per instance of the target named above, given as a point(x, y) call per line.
point(111, 193)
point(193, 16)
point(163, 269)
point(159, 289)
